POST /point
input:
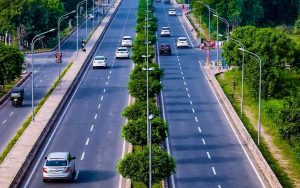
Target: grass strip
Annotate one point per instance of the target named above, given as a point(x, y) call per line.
point(225, 81)
point(26, 123)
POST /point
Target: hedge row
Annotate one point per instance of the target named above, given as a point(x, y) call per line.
point(135, 165)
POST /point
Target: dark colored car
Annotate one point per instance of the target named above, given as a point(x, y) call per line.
point(165, 49)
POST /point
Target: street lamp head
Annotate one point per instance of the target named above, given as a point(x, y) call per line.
point(149, 69)
point(51, 30)
point(220, 35)
point(242, 49)
point(73, 11)
point(215, 15)
point(151, 116)
point(145, 56)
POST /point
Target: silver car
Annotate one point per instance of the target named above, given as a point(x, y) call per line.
point(59, 166)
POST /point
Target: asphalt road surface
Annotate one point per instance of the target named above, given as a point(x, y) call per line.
point(90, 127)
point(206, 149)
point(46, 71)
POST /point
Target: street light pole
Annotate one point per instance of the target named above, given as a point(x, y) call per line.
point(217, 37)
point(81, 2)
point(208, 7)
point(259, 92)
point(58, 35)
point(243, 57)
point(36, 38)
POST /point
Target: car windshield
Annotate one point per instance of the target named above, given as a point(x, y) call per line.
point(165, 45)
point(99, 58)
point(126, 38)
point(56, 163)
point(122, 50)
point(182, 40)
point(15, 94)
point(165, 28)
point(172, 10)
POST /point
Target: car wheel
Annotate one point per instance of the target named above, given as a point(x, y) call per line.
point(93, 67)
point(44, 180)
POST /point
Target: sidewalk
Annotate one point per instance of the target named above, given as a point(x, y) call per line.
point(20, 157)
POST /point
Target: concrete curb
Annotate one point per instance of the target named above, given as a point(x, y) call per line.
point(256, 157)
point(17, 162)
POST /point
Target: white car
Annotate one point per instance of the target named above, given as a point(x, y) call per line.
point(127, 41)
point(165, 32)
point(182, 42)
point(122, 52)
point(59, 166)
point(172, 12)
point(99, 61)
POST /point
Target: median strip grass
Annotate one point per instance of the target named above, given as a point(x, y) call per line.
point(26, 123)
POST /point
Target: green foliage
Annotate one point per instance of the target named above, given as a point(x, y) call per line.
point(276, 51)
point(136, 165)
point(11, 60)
point(272, 109)
point(138, 88)
point(135, 131)
point(138, 110)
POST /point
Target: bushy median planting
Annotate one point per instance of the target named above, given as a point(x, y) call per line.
point(136, 165)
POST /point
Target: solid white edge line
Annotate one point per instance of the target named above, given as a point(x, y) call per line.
point(59, 122)
point(164, 118)
point(255, 170)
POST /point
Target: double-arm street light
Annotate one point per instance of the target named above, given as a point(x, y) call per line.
point(227, 25)
point(243, 57)
point(36, 38)
point(259, 92)
point(58, 34)
point(80, 3)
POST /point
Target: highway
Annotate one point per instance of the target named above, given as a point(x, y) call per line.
point(46, 71)
point(206, 149)
point(90, 127)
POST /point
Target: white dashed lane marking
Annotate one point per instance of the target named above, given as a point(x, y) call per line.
point(77, 174)
point(196, 119)
point(193, 110)
point(3, 121)
point(186, 89)
point(183, 77)
point(106, 83)
point(191, 102)
point(219, 186)
point(199, 129)
point(82, 156)
point(189, 95)
point(214, 171)
point(99, 106)
point(109, 72)
point(92, 127)
point(184, 83)
point(101, 98)
point(203, 141)
point(11, 113)
point(104, 90)
point(96, 116)
point(87, 142)
point(208, 155)
point(41, 81)
point(108, 77)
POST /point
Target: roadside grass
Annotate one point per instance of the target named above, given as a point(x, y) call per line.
point(140, 184)
point(296, 38)
point(7, 87)
point(251, 105)
point(26, 123)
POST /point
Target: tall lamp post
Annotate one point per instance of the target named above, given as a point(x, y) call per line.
point(58, 35)
point(227, 26)
point(208, 7)
point(243, 57)
point(217, 37)
point(259, 92)
point(36, 38)
point(80, 3)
